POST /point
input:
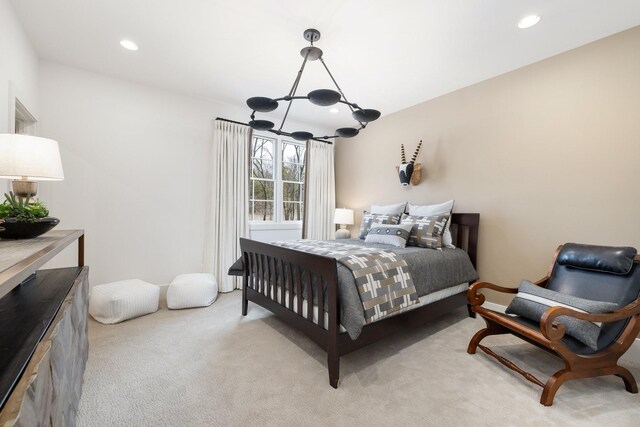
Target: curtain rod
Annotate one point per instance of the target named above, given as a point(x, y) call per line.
point(231, 121)
point(245, 124)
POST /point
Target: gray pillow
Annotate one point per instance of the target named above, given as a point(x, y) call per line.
point(395, 235)
point(368, 219)
point(426, 231)
point(532, 301)
point(395, 209)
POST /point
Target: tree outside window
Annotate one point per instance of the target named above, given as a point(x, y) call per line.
point(292, 181)
point(262, 180)
point(277, 180)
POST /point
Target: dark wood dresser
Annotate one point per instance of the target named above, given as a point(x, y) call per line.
point(43, 331)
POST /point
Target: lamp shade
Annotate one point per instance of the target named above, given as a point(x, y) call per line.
point(343, 216)
point(37, 159)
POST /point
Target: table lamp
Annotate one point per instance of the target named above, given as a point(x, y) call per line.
point(27, 159)
point(343, 217)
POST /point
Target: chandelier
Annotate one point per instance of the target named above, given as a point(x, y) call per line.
point(321, 97)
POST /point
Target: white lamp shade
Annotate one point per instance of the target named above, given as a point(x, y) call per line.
point(343, 216)
point(33, 157)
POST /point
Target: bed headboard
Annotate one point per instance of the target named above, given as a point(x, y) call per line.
point(464, 229)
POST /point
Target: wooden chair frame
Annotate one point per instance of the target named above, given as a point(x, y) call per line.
point(604, 362)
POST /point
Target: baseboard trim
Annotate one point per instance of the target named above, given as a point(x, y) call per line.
point(632, 355)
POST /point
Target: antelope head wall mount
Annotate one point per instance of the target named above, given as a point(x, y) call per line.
point(407, 170)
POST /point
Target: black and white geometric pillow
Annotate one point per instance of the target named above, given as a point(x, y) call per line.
point(426, 231)
point(368, 219)
point(395, 235)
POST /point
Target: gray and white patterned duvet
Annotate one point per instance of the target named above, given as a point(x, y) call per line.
point(430, 269)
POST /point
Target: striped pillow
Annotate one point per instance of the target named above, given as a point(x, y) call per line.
point(368, 219)
point(395, 235)
point(532, 301)
point(426, 231)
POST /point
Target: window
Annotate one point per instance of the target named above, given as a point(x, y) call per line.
point(262, 179)
point(277, 180)
point(292, 167)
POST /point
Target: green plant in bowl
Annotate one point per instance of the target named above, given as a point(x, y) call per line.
point(22, 208)
point(23, 218)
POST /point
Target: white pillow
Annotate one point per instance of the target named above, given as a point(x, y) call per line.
point(431, 210)
point(396, 209)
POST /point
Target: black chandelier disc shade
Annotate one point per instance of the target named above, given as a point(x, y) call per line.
point(347, 132)
point(366, 116)
point(261, 124)
point(320, 97)
point(301, 135)
point(324, 97)
point(262, 104)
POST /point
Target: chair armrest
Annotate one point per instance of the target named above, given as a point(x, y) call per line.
point(555, 332)
point(476, 298)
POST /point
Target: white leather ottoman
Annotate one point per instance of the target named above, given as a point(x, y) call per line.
point(192, 290)
point(118, 301)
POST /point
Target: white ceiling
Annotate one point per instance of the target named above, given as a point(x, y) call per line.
point(385, 54)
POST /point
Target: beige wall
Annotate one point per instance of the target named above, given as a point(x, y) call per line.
point(547, 154)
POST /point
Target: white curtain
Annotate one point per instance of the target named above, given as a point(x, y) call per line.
point(228, 218)
point(320, 192)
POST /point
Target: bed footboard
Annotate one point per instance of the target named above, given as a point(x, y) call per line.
point(288, 283)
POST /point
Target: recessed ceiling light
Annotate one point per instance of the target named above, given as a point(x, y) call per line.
point(128, 44)
point(334, 110)
point(528, 21)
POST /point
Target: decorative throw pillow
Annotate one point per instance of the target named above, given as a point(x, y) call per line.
point(395, 235)
point(396, 209)
point(532, 301)
point(439, 209)
point(426, 231)
point(369, 218)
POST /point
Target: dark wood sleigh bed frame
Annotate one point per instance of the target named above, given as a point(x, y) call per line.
point(269, 271)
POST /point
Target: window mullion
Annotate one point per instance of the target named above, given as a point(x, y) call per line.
point(277, 175)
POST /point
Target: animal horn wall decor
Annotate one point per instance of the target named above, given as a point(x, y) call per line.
point(405, 170)
point(415, 154)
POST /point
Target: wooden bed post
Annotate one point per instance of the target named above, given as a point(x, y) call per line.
point(472, 313)
point(245, 282)
point(333, 357)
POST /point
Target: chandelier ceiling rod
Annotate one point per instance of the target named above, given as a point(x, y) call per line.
point(293, 90)
point(337, 86)
point(321, 97)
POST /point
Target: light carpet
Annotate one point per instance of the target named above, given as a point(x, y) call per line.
point(213, 367)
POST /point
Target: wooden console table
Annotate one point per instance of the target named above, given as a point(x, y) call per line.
point(43, 331)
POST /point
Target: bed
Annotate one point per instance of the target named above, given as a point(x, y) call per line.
point(308, 290)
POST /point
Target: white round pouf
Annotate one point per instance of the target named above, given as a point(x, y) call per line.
point(118, 301)
point(192, 290)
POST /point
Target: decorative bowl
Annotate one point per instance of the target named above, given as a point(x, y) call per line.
point(11, 228)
